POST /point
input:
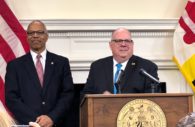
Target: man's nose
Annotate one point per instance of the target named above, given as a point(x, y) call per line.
point(123, 43)
point(35, 34)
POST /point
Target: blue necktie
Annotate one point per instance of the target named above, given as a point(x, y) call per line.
point(116, 76)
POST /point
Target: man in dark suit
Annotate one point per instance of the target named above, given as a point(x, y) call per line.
point(44, 100)
point(101, 78)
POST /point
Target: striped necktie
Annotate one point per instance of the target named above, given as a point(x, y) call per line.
point(119, 65)
point(39, 69)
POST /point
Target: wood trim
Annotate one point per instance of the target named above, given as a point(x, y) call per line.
point(90, 113)
point(190, 103)
point(144, 94)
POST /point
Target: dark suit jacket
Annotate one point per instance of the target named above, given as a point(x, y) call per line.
point(100, 76)
point(25, 97)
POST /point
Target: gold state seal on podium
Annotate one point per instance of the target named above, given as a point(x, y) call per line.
point(141, 113)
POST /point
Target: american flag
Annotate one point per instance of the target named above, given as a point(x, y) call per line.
point(184, 44)
point(13, 41)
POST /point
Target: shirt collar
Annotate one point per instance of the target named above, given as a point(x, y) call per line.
point(43, 54)
point(123, 64)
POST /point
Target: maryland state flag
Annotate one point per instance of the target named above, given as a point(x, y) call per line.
point(184, 44)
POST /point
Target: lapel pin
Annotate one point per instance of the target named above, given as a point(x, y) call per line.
point(133, 64)
point(52, 63)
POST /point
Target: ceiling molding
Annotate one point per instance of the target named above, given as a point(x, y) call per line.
point(106, 24)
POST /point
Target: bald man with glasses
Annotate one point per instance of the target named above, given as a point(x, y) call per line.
point(123, 65)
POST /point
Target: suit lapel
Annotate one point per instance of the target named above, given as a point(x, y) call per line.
point(30, 67)
point(129, 69)
point(49, 67)
point(109, 73)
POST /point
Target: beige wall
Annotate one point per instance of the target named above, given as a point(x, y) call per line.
point(97, 9)
point(154, 27)
point(78, 39)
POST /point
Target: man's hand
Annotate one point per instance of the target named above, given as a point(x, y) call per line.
point(34, 124)
point(107, 93)
point(44, 121)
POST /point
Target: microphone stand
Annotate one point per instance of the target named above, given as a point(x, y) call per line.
point(155, 83)
point(118, 83)
point(154, 87)
point(119, 89)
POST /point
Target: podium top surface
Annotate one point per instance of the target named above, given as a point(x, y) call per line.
point(96, 96)
point(136, 95)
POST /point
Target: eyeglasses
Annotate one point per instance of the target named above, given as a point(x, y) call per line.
point(121, 40)
point(39, 33)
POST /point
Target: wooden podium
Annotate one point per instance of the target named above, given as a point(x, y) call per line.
point(97, 110)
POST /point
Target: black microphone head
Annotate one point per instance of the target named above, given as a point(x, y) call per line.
point(122, 72)
point(142, 71)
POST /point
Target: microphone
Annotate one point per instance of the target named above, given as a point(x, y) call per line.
point(119, 80)
point(142, 71)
